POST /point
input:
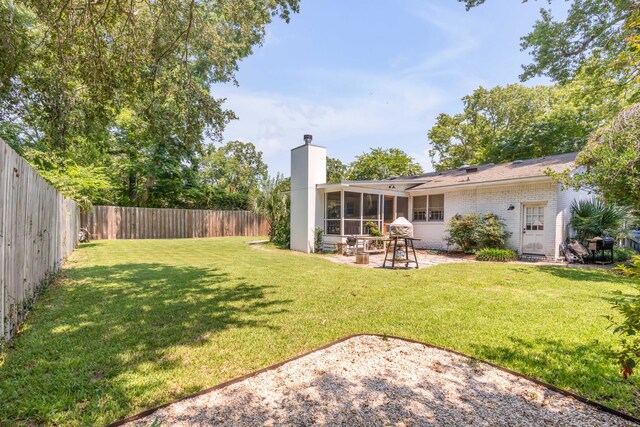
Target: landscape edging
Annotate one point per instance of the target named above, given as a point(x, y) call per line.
point(225, 384)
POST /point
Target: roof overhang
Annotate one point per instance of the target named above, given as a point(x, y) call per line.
point(371, 183)
point(379, 187)
point(529, 179)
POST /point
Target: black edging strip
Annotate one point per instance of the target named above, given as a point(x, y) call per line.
point(567, 393)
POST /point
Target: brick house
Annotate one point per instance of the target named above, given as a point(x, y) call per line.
point(534, 206)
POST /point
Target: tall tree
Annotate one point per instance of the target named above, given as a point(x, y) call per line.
point(599, 34)
point(273, 203)
point(382, 163)
point(235, 166)
point(612, 160)
point(336, 170)
point(512, 122)
point(90, 75)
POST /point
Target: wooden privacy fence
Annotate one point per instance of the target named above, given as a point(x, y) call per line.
point(114, 222)
point(38, 229)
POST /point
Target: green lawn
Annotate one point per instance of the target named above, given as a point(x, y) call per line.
point(133, 324)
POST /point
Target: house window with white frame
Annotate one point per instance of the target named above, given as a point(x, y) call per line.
point(420, 208)
point(428, 208)
point(436, 207)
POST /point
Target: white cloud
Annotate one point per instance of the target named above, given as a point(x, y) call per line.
point(276, 122)
point(350, 110)
point(423, 158)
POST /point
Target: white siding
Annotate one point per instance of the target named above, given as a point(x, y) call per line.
point(565, 198)
point(496, 199)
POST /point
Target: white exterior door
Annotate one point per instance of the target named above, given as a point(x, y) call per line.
point(533, 230)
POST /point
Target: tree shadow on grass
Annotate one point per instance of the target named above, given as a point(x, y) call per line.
point(89, 335)
point(595, 275)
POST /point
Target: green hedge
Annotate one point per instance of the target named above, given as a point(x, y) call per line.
point(501, 255)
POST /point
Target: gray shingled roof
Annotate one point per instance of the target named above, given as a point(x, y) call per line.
point(491, 172)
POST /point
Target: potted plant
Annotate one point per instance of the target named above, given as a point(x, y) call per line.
point(374, 231)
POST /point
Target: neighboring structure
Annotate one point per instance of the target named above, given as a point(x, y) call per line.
point(533, 205)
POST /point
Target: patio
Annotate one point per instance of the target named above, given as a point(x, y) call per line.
point(425, 259)
point(428, 258)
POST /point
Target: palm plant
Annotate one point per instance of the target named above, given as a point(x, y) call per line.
point(272, 202)
point(593, 217)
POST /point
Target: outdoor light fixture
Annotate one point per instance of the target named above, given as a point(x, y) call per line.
point(511, 207)
point(308, 138)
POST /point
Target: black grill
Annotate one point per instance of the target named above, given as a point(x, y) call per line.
point(608, 242)
point(602, 244)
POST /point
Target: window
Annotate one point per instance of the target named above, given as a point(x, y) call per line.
point(402, 208)
point(388, 209)
point(352, 202)
point(436, 207)
point(333, 205)
point(370, 204)
point(349, 213)
point(352, 210)
point(332, 213)
point(420, 208)
point(428, 208)
point(534, 219)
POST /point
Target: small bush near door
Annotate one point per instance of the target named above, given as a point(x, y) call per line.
point(475, 231)
point(499, 255)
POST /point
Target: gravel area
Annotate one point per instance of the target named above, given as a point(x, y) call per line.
point(367, 380)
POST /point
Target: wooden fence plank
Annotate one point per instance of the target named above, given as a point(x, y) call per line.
point(38, 229)
point(111, 222)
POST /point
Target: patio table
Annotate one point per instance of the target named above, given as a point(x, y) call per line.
point(364, 242)
point(408, 242)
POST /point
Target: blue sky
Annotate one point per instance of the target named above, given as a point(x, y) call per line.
point(359, 74)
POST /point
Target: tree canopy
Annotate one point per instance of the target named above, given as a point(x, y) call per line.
point(236, 166)
point(336, 170)
point(122, 88)
point(382, 163)
point(601, 35)
point(512, 122)
point(612, 160)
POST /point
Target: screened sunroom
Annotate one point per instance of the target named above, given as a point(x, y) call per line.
point(350, 211)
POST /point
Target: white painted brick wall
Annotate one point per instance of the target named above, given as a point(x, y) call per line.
point(565, 198)
point(496, 199)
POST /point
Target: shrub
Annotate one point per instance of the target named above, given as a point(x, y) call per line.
point(628, 328)
point(215, 197)
point(593, 217)
point(318, 241)
point(500, 255)
point(632, 269)
point(463, 231)
point(474, 231)
point(621, 254)
point(492, 232)
point(274, 205)
point(282, 232)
